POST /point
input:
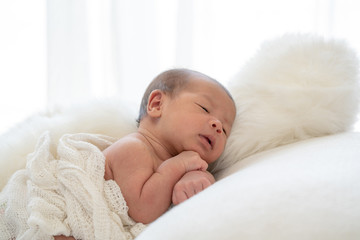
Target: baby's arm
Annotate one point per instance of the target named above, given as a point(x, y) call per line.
point(147, 189)
point(190, 184)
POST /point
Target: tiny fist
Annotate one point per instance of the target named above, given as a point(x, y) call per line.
point(204, 166)
point(192, 161)
point(190, 184)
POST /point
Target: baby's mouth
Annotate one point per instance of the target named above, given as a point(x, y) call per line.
point(209, 140)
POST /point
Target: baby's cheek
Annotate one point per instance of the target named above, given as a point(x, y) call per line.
point(219, 150)
point(222, 145)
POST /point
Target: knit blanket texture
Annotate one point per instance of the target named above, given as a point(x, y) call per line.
point(62, 191)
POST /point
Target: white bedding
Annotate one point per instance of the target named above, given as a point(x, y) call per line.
point(306, 190)
point(295, 88)
point(62, 191)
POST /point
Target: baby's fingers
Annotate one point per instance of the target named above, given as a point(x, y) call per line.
point(199, 165)
point(205, 183)
point(203, 166)
point(179, 197)
point(192, 161)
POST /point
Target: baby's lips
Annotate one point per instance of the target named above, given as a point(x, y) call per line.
point(212, 140)
point(207, 140)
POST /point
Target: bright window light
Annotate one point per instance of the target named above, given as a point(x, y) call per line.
point(22, 60)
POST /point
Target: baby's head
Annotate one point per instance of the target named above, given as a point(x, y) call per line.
point(191, 112)
point(171, 82)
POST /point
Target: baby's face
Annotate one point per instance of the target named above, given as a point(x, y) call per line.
point(199, 118)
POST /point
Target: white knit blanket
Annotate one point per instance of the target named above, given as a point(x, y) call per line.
point(62, 191)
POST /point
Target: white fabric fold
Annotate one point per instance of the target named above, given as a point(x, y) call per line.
point(62, 191)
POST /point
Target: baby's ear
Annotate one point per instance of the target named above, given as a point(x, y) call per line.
point(155, 102)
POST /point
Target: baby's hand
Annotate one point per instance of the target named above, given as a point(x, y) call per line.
point(190, 184)
point(192, 161)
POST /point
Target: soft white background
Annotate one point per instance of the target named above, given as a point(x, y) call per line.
point(60, 52)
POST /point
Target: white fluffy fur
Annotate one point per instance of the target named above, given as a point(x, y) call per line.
point(108, 117)
point(295, 87)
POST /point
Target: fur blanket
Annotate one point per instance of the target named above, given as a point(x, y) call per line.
point(62, 191)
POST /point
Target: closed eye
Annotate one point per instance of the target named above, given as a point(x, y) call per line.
point(224, 131)
point(204, 108)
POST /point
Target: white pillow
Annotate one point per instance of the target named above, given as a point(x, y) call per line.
point(295, 87)
point(305, 190)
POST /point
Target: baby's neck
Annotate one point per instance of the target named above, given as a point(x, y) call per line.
point(160, 149)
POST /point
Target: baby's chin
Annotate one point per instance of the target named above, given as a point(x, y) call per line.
point(209, 158)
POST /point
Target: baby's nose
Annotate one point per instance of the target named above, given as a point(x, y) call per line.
point(216, 124)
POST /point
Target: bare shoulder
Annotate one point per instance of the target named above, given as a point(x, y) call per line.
point(125, 145)
point(127, 154)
